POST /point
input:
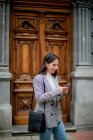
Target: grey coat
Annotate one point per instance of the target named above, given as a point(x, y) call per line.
point(51, 97)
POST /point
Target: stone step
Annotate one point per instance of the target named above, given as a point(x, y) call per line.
point(69, 127)
point(23, 129)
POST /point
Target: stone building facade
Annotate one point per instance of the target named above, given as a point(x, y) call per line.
point(81, 110)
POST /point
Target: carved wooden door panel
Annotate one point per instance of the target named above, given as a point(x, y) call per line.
point(55, 36)
point(32, 36)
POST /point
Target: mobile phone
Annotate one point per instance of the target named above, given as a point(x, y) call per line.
point(67, 85)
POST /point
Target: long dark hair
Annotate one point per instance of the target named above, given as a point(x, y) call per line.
point(49, 58)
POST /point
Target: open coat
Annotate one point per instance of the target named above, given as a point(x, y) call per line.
point(51, 97)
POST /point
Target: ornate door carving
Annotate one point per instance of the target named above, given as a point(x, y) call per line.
point(33, 35)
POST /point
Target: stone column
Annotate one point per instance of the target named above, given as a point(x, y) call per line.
point(5, 76)
point(82, 75)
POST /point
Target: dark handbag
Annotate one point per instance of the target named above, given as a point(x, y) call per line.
point(37, 121)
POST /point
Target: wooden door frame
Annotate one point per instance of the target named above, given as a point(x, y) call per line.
point(44, 9)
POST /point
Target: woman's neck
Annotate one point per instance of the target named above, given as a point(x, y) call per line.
point(48, 73)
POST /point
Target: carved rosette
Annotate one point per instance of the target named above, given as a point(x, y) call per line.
point(41, 17)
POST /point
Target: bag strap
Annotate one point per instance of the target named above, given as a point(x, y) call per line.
point(44, 92)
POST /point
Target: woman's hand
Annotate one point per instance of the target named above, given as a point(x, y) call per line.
point(64, 89)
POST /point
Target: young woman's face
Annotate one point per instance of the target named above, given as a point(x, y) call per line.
point(52, 67)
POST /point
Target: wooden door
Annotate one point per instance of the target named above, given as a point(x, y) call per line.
point(34, 34)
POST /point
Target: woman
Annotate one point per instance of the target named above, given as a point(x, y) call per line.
point(52, 95)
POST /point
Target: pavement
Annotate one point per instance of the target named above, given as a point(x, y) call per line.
point(86, 134)
point(21, 133)
point(34, 137)
point(78, 135)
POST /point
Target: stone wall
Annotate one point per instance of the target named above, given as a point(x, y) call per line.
point(5, 76)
